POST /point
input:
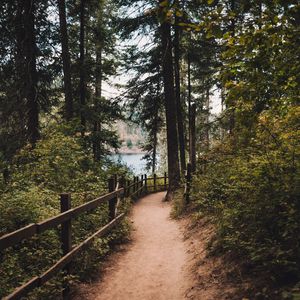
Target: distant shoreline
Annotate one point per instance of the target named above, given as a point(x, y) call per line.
point(127, 152)
point(134, 150)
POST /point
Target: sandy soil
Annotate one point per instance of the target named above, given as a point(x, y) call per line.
point(166, 260)
point(210, 273)
point(155, 264)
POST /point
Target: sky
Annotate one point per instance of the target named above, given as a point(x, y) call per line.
point(112, 88)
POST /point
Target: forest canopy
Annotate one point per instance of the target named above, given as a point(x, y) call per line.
point(213, 83)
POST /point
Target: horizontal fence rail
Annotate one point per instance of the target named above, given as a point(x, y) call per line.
point(27, 232)
point(118, 190)
point(60, 264)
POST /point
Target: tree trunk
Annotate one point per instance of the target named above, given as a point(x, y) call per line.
point(189, 100)
point(170, 107)
point(98, 95)
point(98, 89)
point(96, 146)
point(82, 88)
point(193, 138)
point(29, 50)
point(20, 59)
point(5, 174)
point(155, 131)
point(65, 60)
point(232, 106)
point(222, 111)
point(207, 119)
point(154, 145)
point(98, 81)
point(180, 126)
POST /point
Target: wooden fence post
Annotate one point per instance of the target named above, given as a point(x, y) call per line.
point(112, 203)
point(128, 188)
point(165, 180)
point(136, 185)
point(66, 239)
point(145, 186)
point(133, 185)
point(154, 182)
point(142, 183)
point(122, 184)
point(188, 182)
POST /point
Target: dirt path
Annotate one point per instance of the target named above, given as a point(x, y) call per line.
point(154, 265)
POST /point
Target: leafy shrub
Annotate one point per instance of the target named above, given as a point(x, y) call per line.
point(129, 144)
point(57, 164)
point(253, 196)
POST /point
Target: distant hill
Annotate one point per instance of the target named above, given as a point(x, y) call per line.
point(131, 135)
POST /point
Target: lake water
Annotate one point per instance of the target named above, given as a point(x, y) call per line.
point(133, 161)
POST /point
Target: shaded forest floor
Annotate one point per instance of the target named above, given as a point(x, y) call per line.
point(165, 259)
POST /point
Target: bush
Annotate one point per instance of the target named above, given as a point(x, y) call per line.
point(57, 164)
point(253, 197)
point(129, 144)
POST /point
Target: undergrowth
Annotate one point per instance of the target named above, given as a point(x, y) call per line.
point(178, 205)
point(251, 191)
point(57, 164)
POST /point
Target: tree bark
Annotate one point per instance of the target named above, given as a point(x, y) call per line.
point(180, 126)
point(98, 95)
point(232, 108)
point(20, 59)
point(98, 81)
point(155, 131)
point(189, 100)
point(98, 89)
point(222, 111)
point(29, 50)
point(82, 87)
point(170, 106)
point(207, 119)
point(154, 145)
point(65, 60)
point(193, 137)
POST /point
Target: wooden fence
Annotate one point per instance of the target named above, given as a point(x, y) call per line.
point(118, 190)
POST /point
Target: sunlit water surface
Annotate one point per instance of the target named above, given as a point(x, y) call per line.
point(133, 161)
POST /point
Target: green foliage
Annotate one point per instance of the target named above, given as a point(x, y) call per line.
point(57, 164)
point(14, 73)
point(129, 143)
point(253, 195)
point(179, 204)
point(19, 208)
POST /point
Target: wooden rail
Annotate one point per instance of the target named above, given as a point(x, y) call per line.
point(27, 232)
point(117, 191)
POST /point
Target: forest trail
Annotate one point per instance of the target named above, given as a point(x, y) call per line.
point(154, 265)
